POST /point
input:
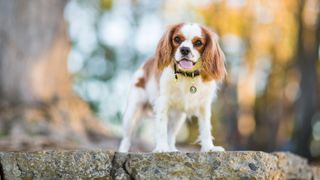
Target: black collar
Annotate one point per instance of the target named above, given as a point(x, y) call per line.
point(187, 74)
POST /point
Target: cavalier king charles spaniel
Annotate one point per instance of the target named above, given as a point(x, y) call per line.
point(179, 81)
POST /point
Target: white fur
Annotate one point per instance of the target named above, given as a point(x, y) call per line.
point(175, 98)
point(189, 31)
point(137, 97)
point(172, 102)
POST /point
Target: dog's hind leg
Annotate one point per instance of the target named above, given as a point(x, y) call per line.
point(131, 117)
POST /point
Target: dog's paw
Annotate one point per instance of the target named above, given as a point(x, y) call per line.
point(157, 150)
point(214, 148)
point(162, 149)
point(173, 149)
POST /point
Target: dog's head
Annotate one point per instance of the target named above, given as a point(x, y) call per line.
point(192, 47)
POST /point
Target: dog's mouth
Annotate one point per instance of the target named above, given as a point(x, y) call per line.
point(186, 64)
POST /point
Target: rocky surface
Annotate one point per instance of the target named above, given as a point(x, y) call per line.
point(109, 165)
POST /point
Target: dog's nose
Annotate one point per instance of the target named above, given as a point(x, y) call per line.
point(185, 50)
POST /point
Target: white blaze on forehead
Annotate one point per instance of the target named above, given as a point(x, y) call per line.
point(191, 30)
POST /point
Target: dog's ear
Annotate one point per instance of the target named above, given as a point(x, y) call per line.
point(164, 48)
point(213, 58)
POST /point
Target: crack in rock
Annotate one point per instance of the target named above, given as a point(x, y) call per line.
point(1, 170)
point(119, 170)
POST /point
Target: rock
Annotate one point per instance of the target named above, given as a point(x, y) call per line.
point(316, 172)
point(176, 165)
point(56, 165)
point(293, 167)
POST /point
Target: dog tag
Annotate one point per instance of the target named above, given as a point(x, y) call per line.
point(193, 89)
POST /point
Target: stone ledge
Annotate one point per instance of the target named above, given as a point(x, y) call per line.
point(99, 164)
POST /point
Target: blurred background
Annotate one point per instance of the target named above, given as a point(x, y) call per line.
point(66, 66)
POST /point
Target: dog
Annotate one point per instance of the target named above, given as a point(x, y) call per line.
point(179, 81)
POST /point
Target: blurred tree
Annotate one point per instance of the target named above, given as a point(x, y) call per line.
point(272, 51)
point(306, 57)
point(38, 107)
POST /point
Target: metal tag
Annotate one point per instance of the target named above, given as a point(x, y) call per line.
point(193, 89)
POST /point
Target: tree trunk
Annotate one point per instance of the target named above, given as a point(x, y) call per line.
point(307, 55)
point(36, 98)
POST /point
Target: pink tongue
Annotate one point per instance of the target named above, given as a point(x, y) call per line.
point(186, 64)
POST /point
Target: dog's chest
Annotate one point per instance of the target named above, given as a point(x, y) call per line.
point(179, 94)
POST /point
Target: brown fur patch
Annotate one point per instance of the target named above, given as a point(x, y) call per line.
point(149, 69)
point(213, 67)
point(141, 83)
point(165, 47)
point(203, 41)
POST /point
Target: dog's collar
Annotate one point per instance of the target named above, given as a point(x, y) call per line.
point(187, 74)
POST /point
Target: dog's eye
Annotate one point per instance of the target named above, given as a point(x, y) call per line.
point(198, 43)
point(177, 39)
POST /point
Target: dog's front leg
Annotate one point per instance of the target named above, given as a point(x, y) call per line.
point(204, 120)
point(161, 126)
